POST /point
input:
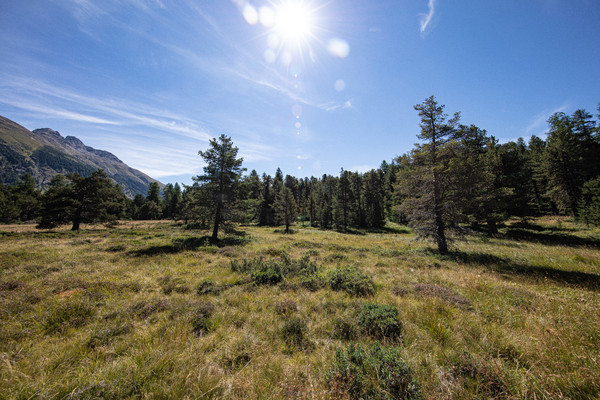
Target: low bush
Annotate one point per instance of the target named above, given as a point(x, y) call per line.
point(208, 287)
point(380, 321)
point(373, 372)
point(269, 273)
point(273, 271)
point(352, 281)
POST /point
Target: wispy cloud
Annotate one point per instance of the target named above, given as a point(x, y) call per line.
point(24, 94)
point(336, 106)
point(538, 125)
point(362, 168)
point(425, 19)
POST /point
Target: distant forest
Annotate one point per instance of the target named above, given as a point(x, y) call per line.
point(457, 175)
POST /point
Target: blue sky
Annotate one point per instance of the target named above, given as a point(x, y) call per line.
point(153, 80)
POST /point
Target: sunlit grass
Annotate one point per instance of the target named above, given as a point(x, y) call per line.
point(111, 312)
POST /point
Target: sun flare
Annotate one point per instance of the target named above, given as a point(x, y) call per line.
point(294, 21)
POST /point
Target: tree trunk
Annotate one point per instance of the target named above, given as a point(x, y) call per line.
point(217, 222)
point(492, 228)
point(440, 234)
point(76, 219)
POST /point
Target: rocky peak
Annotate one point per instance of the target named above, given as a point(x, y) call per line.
point(48, 132)
point(74, 142)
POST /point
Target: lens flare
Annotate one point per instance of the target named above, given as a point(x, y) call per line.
point(294, 21)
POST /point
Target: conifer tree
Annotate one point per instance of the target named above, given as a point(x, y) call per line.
point(427, 189)
point(285, 207)
point(221, 174)
point(343, 201)
point(89, 199)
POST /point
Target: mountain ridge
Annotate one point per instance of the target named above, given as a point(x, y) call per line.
point(44, 153)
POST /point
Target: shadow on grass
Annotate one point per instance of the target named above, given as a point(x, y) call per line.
point(551, 239)
point(386, 229)
point(507, 266)
point(191, 243)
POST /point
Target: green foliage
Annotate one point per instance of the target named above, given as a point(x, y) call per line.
point(372, 372)
point(351, 280)
point(81, 200)
point(207, 287)
point(589, 204)
point(267, 273)
point(380, 321)
point(273, 271)
point(221, 175)
point(52, 158)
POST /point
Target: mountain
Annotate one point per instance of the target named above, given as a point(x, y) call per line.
point(44, 153)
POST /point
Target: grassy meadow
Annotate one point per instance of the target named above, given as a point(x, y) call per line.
point(152, 310)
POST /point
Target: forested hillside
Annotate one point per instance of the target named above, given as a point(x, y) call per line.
point(44, 153)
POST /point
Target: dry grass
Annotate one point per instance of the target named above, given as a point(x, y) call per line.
point(126, 312)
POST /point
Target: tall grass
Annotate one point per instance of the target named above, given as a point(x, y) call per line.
point(147, 310)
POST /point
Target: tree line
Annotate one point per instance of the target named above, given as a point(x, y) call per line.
point(457, 176)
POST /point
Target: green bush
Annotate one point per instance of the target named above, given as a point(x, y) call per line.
point(273, 271)
point(380, 321)
point(373, 372)
point(268, 273)
point(352, 281)
point(208, 287)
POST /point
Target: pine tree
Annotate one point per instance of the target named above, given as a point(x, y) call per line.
point(80, 200)
point(427, 185)
point(374, 199)
point(343, 201)
point(285, 207)
point(221, 174)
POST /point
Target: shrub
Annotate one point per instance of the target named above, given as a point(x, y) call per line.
point(208, 287)
point(268, 273)
point(352, 281)
point(273, 271)
point(201, 321)
point(373, 372)
point(380, 321)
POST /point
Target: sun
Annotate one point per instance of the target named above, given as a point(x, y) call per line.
point(294, 21)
